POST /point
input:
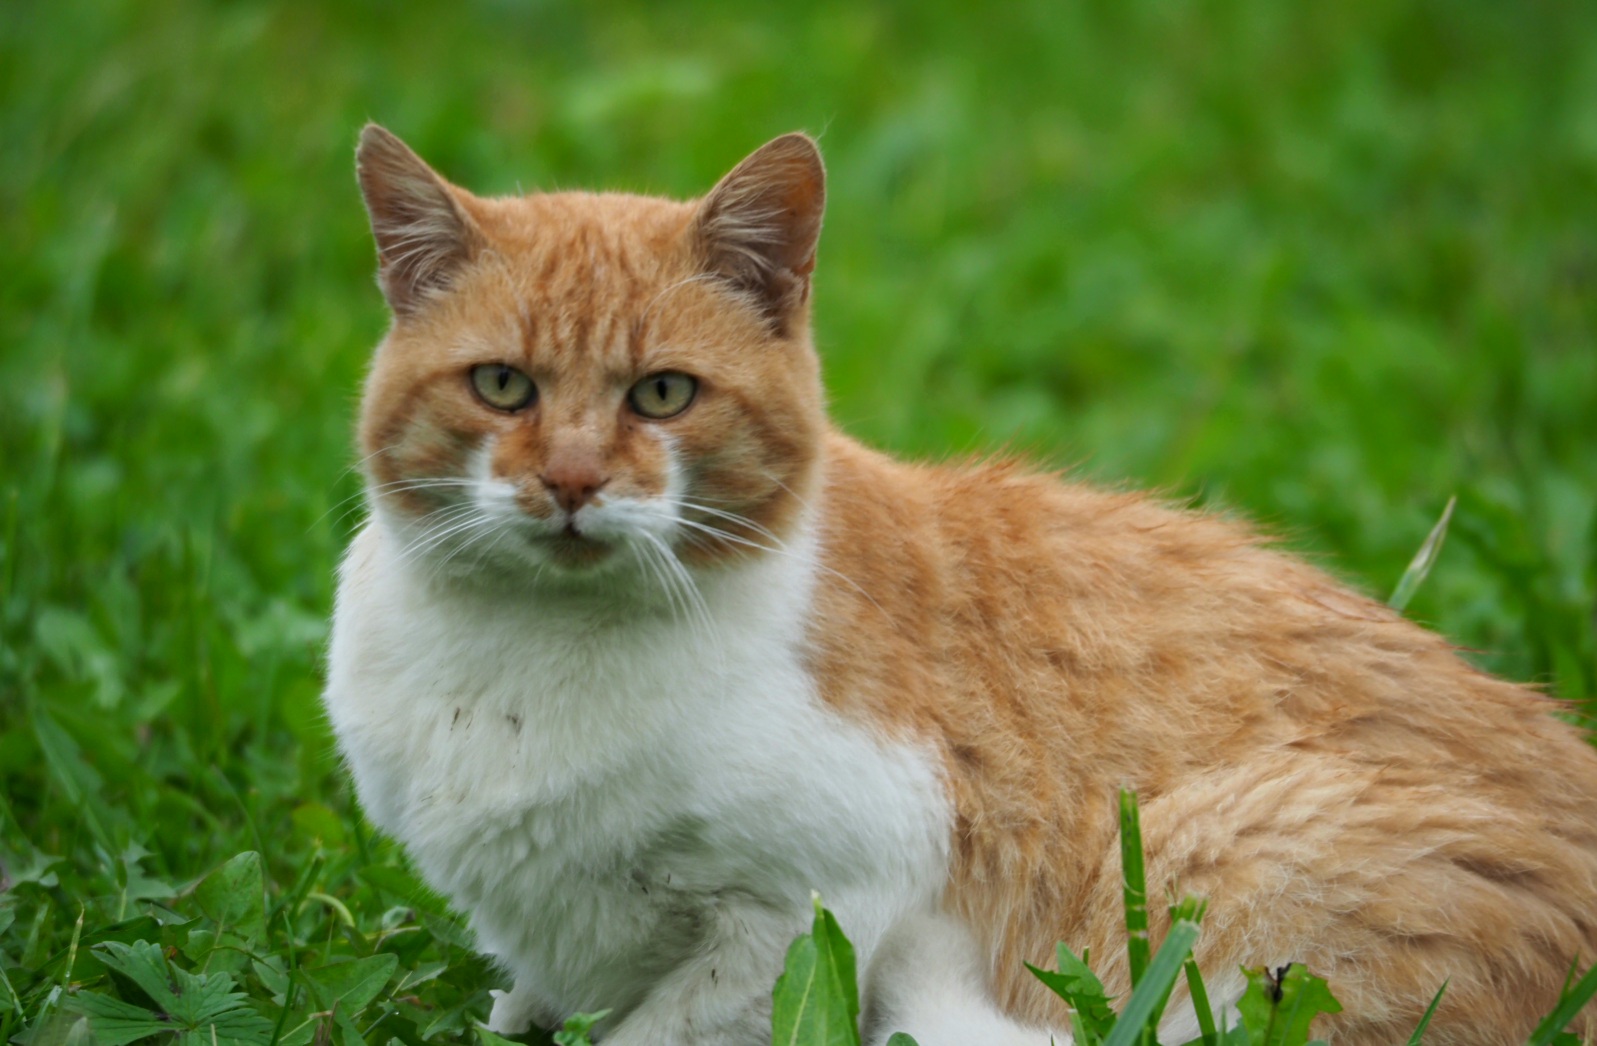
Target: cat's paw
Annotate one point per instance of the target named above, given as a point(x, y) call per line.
point(513, 1013)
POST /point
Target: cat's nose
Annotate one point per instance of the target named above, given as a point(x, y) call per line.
point(573, 485)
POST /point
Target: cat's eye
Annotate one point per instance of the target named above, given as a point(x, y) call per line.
point(663, 395)
point(503, 387)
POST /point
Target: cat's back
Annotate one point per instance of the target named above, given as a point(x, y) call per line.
point(1290, 738)
point(1040, 594)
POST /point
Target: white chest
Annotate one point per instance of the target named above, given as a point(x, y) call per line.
point(585, 785)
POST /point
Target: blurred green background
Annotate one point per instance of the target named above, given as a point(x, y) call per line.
point(1324, 265)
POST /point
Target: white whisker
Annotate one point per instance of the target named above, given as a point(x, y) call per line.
point(448, 521)
point(480, 523)
point(689, 589)
point(646, 557)
point(394, 486)
point(782, 550)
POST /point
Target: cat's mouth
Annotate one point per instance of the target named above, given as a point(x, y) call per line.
point(573, 549)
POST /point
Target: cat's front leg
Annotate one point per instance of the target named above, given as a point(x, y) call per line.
point(722, 995)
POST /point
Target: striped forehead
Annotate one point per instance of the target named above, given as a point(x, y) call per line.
point(585, 282)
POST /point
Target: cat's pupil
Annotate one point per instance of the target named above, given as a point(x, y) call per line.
point(660, 387)
point(504, 378)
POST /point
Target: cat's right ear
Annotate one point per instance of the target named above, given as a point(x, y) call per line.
point(758, 228)
point(424, 236)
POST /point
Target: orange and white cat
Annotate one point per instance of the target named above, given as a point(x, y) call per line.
point(636, 651)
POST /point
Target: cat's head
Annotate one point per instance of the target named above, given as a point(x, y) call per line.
point(579, 385)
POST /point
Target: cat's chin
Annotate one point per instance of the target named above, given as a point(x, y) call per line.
point(574, 554)
point(559, 558)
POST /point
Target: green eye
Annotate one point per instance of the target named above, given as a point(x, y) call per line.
point(503, 387)
point(662, 395)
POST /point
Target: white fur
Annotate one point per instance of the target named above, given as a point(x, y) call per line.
point(929, 980)
point(633, 801)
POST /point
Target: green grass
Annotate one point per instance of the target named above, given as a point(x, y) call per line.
point(1327, 266)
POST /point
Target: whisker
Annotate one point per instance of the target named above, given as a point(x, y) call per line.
point(669, 582)
point(482, 522)
point(437, 530)
point(441, 482)
point(646, 556)
point(733, 517)
point(689, 589)
point(720, 534)
point(678, 600)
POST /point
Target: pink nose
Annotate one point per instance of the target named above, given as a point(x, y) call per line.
point(572, 486)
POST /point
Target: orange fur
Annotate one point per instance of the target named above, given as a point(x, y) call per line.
point(1340, 784)
point(1344, 789)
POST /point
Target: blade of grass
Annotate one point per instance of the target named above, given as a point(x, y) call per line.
point(1200, 1004)
point(1148, 998)
point(1425, 1021)
point(1191, 909)
point(1136, 886)
point(1569, 1004)
point(1423, 560)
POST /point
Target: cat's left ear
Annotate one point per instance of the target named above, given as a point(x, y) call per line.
point(758, 228)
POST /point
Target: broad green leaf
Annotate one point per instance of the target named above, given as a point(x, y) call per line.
point(201, 1008)
point(1082, 991)
point(404, 886)
point(87, 963)
point(815, 1001)
point(29, 866)
point(841, 953)
point(214, 1015)
point(273, 977)
point(898, 1038)
point(235, 896)
point(456, 1020)
point(133, 885)
point(299, 1028)
point(142, 963)
point(1277, 1012)
point(116, 1022)
point(350, 986)
point(488, 1038)
point(420, 975)
point(447, 930)
point(578, 1029)
point(226, 952)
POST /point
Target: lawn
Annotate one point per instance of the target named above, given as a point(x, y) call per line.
point(1325, 266)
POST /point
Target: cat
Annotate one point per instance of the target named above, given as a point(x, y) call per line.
point(636, 651)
